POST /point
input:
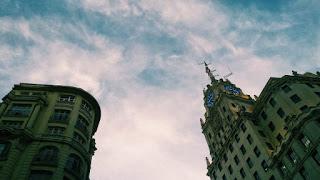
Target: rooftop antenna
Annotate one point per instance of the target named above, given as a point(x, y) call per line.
point(229, 74)
point(209, 71)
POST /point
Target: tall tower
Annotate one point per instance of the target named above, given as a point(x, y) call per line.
point(265, 139)
point(46, 131)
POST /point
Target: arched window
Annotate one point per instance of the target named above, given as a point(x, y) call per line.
point(74, 163)
point(47, 154)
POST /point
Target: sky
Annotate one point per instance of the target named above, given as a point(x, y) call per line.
point(141, 60)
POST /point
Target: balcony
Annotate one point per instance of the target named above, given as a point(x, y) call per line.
point(83, 128)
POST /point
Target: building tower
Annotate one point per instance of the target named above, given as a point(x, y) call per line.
point(275, 136)
point(46, 131)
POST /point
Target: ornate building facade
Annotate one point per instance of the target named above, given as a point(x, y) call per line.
point(274, 136)
point(46, 131)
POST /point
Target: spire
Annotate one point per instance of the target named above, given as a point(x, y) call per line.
point(208, 71)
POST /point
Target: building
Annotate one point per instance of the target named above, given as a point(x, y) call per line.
point(46, 132)
point(274, 136)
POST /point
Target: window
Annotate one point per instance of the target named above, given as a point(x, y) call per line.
point(269, 146)
point(86, 106)
point(243, 174)
point(262, 133)
point(47, 154)
point(243, 127)
point(19, 110)
point(219, 166)
point(60, 115)
point(225, 157)
point(209, 135)
point(264, 115)
point(56, 130)
point(272, 177)
point(292, 156)
point(257, 151)
point(280, 112)
point(77, 137)
point(237, 137)
point(310, 85)
point(279, 138)
point(4, 149)
point(224, 177)
point(249, 138)
point(74, 163)
point(317, 93)
point(256, 175)
point(316, 156)
point(67, 98)
point(236, 160)
point(304, 109)
point(13, 124)
point(295, 98)
point(243, 149)
point(228, 117)
point(233, 105)
point(231, 147)
point(272, 102)
point(82, 125)
point(40, 175)
point(230, 169)
point(286, 88)
point(224, 109)
point(249, 162)
point(303, 173)
point(264, 165)
point(305, 140)
point(271, 126)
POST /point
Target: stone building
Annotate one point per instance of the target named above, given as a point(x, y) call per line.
point(46, 131)
point(274, 136)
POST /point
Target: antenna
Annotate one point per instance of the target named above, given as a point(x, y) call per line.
point(209, 71)
point(229, 74)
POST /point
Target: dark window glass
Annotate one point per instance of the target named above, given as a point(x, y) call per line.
point(243, 174)
point(228, 117)
point(40, 175)
point(233, 105)
point(19, 110)
point(78, 138)
point(272, 102)
point(269, 146)
point(4, 149)
point(74, 163)
point(295, 98)
point(231, 148)
point(236, 160)
point(292, 156)
point(303, 173)
point(60, 115)
point(47, 154)
point(53, 130)
point(86, 106)
point(243, 149)
point(316, 156)
point(264, 165)
point(271, 126)
point(286, 88)
point(264, 115)
point(317, 93)
point(224, 109)
point(224, 177)
point(280, 112)
point(305, 140)
point(219, 166)
point(230, 169)
point(256, 175)
point(249, 162)
point(209, 136)
point(304, 108)
point(82, 125)
point(262, 133)
point(272, 178)
point(249, 138)
point(279, 138)
point(257, 151)
point(310, 85)
point(225, 157)
point(237, 137)
point(243, 127)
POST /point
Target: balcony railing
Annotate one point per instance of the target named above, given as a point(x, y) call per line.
point(83, 128)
